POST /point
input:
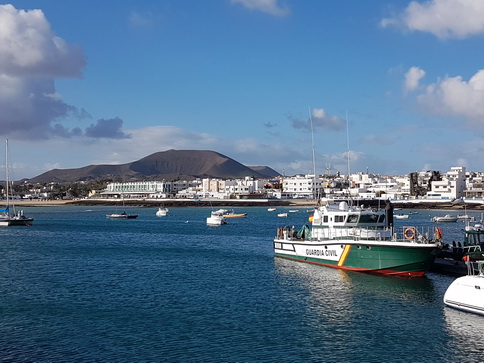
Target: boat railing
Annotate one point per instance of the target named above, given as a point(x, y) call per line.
point(475, 268)
point(402, 234)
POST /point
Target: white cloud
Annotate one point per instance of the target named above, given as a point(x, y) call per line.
point(28, 47)
point(443, 18)
point(454, 96)
point(321, 120)
point(413, 77)
point(139, 20)
point(266, 6)
point(31, 57)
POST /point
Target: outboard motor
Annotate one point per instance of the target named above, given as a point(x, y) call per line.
point(389, 214)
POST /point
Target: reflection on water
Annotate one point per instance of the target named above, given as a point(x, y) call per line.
point(466, 331)
point(366, 314)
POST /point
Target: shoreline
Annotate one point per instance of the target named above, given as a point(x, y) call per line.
point(236, 203)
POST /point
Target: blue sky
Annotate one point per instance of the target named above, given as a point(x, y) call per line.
point(109, 82)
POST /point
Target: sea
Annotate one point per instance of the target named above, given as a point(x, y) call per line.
point(78, 287)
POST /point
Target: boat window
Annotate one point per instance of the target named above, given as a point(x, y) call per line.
point(381, 219)
point(325, 219)
point(369, 218)
point(339, 219)
point(353, 218)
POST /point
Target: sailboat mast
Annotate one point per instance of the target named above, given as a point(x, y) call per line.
point(7, 172)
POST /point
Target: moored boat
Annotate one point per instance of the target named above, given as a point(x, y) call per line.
point(282, 215)
point(446, 218)
point(467, 292)
point(450, 257)
point(162, 212)
point(122, 215)
point(216, 218)
point(232, 214)
point(401, 216)
point(359, 239)
point(10, 216)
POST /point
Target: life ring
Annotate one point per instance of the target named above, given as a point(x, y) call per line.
point(438, 233)
point(409, 233)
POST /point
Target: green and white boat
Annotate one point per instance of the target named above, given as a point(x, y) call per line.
point(360, 239)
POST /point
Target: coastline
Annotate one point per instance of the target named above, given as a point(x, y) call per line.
point(236, 203)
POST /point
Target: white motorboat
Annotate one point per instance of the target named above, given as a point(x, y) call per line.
point(401, 216)
point(446, 218)
point(467, 292)
point(162, 212)
point(271, 209)
point(466, 217)
point(216, 218)
point(282, 215)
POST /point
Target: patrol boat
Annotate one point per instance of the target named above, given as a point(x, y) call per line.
point(359, 238)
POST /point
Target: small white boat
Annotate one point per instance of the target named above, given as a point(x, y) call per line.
point(467, 292)
point(216, 219)
point(162, 212)
point(282, 215)
point(466, 217)
point(271, 209)
point(401, 216)
point(293, 210)
point(446, 218)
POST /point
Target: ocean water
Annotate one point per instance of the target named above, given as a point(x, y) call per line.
point(76, 286)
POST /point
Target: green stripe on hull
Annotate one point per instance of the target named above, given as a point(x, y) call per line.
point(381, 259)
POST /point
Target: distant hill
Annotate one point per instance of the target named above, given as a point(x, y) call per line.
point(166, 165)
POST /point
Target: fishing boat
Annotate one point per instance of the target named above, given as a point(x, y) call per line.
point(359, 239)
point(450, 257)
point(9, 216)
point(232, 214)
point(467, 292)
point(162, 212)
point(216, 218)
point(446, 218)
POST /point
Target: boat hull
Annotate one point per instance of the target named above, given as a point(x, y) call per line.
point(389, 258)
point(467, 294)
point(122, 216)
point(5, 222)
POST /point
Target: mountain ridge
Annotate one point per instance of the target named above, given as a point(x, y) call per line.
point(166, 165)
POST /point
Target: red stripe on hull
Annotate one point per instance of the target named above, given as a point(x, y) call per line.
point(383, 272)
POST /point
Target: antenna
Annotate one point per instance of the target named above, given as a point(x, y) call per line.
point(314, 157)
point(348, 143)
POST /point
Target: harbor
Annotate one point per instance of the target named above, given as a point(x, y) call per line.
point(82, 287)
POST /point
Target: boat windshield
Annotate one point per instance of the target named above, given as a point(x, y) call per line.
point(372, 218)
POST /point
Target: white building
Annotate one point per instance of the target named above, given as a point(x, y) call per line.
point(452, 185)
point(307, 186)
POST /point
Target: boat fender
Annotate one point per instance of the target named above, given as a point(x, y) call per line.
point(409, 233)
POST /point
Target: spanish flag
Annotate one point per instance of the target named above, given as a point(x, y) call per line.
point(311, 217)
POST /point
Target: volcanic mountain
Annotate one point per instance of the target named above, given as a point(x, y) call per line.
point(167, 165)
